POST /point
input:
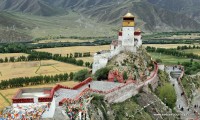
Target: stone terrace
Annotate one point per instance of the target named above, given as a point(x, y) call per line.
point(95, 85)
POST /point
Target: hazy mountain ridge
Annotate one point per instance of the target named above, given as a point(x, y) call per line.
point(188, 7)
point(37, 7)
point(151, 15)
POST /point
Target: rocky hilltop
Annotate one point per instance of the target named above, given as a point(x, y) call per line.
point(137, 65)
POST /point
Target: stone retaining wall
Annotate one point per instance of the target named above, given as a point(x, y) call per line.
point(122, 94)
point(132, 89)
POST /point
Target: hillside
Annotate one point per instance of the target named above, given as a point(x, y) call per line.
point(188, 7)
point(137, 108)
point(12, 29)
point(150, 17)
point(72, 24)
point(29, 19)
point(37, 7)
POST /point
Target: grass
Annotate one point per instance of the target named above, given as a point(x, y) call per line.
point(9, 93)
point(8, 55)
point(194, 51)
point(66, 50)
point(188, 86)
point(165, 45)
point(28, 69)
point(168, 59)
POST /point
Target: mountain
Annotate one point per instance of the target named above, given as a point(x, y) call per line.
point(188, 7)
point(9, 29)
point(150, 16)
point(37, 7)
point(39, 18)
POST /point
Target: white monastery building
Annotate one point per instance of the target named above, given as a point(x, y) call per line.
point(129, 39)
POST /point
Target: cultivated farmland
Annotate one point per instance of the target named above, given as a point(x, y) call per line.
point(66, 50)
point(168, 59)
point(35, 68)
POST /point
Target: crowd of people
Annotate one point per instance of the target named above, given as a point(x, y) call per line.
point(25, 112)
point(77, 109)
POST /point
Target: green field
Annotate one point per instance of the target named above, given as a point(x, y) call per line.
point(168, 59)
point(194, 51)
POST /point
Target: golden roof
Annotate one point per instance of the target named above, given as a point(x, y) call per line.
point(128, 15)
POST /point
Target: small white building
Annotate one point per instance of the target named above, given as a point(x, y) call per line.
point(128, 40)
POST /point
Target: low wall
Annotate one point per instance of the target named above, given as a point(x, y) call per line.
point(113, 94)
point(182, 88)
point(23, 100)
point(82, 83)
point(17, 97)
point(121, 94)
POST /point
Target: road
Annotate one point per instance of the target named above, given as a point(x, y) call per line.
point(181, 101)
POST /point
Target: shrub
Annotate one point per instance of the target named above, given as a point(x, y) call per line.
point(125, 76)
point(167, 95)
point(102, 74)
point(158, 60)
point(81, 75)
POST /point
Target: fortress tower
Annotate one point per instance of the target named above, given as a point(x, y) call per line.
point(128, 40)
point(128, 25)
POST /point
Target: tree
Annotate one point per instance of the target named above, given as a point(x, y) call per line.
point(76, 54)
point(125, 76)
point(102, 74)
point(81, 75)
point(6, 59)
point(167, 94)
point(65, 77)
point(158, 60)
point(71, 75)
point(1, 60)
point(12, 59)
point(79, 62)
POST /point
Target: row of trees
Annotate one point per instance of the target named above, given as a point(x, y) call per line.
point(173, 52)
point(71, 37)
point(78, 54)
point(24, 47)
point(35, 56)
point(36, 80)
point(188, 47)
point(168, 41)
